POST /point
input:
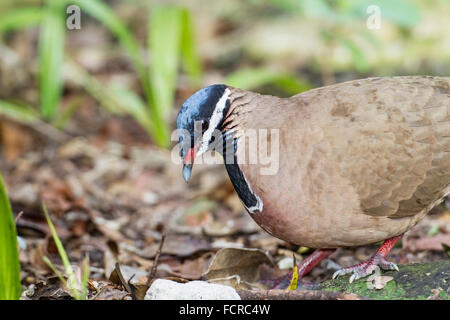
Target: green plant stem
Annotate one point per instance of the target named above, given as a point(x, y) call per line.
point(9, 253)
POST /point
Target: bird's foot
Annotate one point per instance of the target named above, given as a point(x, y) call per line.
point(366, 268)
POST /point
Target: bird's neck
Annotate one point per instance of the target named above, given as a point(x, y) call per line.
point(248, 197)
point(240, 104)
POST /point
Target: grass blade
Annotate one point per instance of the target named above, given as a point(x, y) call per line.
point(170, 38)
point(116, 99)
point(51, 56)
point(359, 60)
point(98, 10)
point(9, 255)
point(62, 253)
point(189, 56)
point(252, 78)
point(19, 113)
point(55, 271)
point(105, 15)
point(20, 18)
point(164, 47)
point(85, 279)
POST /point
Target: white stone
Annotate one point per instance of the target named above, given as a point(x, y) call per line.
point(286, 263)
point(194, 290)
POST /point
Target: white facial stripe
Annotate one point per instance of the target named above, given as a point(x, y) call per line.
point(216, 117)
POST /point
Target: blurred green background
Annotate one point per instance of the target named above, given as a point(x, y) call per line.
point(142, 58)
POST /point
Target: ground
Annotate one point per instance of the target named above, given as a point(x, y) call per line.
point(112, 195)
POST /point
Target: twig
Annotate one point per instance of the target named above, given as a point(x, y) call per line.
point(296, 295)
point(42, 128)
point(48, 131)
point(18, 217)
point(155, 263)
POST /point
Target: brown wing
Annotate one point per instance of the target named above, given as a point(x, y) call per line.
point(391, 137)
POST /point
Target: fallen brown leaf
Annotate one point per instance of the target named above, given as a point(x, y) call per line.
point(237, 263)
point(180, 246)
point(15, 139)
point(193, 269)
point(379, 282)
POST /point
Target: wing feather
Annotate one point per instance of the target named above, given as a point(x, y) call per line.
point(391, 137)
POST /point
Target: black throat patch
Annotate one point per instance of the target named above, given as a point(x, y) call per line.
point(250, 200)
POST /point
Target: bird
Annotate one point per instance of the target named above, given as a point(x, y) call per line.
point(357, 163)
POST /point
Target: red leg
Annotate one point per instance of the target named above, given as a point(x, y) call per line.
point(307, 265)
point(313, 260)
point(366, 268)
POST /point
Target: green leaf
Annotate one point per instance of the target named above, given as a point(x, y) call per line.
point(51, 56)
point(78, 289)
point(190, 58)
point(171, 38)
point(55, 271)
point(20, 19)
point(115, 98)
point(65, 115)
point(164, 44)
point(9, 255)
point(358, 58)
point(19, 113)
point(291, 6)
point(85, 277)
point(130, 102)
point(164, 47)
point(100, 11)
point(106, 15)
point(73, 285)
point(252, 78)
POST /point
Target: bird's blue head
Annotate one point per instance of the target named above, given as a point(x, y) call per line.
point(198, 121)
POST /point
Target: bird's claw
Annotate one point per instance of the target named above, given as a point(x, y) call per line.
point(366, 268)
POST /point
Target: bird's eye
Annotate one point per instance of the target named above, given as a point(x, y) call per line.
point(205, 126)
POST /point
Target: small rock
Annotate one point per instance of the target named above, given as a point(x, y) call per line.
point(194, 290)
point(22, 243)
point(26, 194)
point(149, 197)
